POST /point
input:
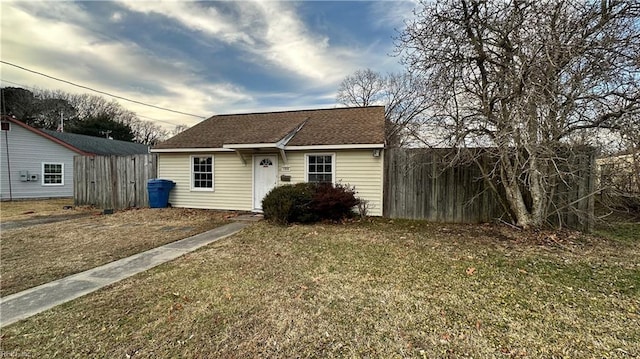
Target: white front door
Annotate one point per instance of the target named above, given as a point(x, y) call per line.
point(265, 177)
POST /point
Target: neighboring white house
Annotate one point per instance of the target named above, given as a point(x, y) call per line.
point(37, 163)
point(232, 161)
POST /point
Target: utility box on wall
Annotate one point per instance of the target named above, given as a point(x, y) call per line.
point(25, 176)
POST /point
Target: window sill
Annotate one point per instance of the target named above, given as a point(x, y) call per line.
point(202, 190)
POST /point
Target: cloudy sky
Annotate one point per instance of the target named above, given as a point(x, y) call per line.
point(202, 58)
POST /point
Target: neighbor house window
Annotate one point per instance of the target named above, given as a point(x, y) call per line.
point(320, 168)
point(52, 174)
point(202, 172)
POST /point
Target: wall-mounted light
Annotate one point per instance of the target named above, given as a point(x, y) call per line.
point(376, 153)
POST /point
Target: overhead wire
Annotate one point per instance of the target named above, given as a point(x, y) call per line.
point(99, 91)
point(15, 83)
point(35, 88)
point(137, 115)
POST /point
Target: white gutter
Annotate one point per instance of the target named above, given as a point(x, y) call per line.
point(187, 149)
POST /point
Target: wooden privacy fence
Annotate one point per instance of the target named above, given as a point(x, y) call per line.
point(421, 184)
point(113, 181)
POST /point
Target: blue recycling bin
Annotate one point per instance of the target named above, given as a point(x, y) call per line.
point(159, 192)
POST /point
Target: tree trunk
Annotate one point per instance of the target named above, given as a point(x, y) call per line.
point(537, 190)
point(514, 196)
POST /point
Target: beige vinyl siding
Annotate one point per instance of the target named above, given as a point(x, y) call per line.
point(365, 172)
point(232, 182)
point(354, 167)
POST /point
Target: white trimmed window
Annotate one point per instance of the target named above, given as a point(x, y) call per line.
point(320, 168)
point(202, 173)
point(53, 174)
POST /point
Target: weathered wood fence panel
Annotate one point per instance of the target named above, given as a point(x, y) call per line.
point(421, 184)
point(113, 181)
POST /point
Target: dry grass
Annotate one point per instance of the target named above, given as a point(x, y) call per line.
point(25, 209)
point(41, 253)
point(378, 289)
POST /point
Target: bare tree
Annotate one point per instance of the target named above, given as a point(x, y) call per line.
point(402, 95)
point(619, 173)
point(89, 107)
point(362, 88)
point(178, 129)
point(147, 132)
point(33, 109)
point(526, 78)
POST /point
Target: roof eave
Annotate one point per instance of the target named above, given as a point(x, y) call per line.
point(353, 146)
point(190, 149)
point(237, 147)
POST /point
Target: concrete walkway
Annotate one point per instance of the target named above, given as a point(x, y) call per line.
point(32, 301)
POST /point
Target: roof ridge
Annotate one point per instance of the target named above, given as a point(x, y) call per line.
point(291, 111)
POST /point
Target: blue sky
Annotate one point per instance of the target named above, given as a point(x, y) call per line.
point(203, 58)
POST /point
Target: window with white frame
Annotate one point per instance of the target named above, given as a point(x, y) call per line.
point(52, 174)
point(202, 173)
point(320, 168)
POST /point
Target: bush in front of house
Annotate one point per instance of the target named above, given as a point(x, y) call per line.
point(308, 203)
point(334, 202)
point(290, 203)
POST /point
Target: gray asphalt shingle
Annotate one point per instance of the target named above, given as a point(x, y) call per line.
point(338, 126)
point(98, 145)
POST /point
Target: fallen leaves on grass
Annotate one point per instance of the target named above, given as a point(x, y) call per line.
point(41, 253)
point(372, 298)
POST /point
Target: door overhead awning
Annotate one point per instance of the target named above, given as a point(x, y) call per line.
point(245, 148)
point(248, 148)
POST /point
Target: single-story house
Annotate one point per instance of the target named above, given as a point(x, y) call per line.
point(231, 162)
point(619, 173)
point(38, 163)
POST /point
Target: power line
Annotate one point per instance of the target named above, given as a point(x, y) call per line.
point(98, 91)
point(13, 83)
point(35, 88)
point(155, 119)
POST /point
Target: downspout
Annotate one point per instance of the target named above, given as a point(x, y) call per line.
point(6, 142)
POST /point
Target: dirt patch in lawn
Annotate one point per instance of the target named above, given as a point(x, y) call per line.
point(373, 289)
point(37, 254)
point(26, 209)
point(25, 213)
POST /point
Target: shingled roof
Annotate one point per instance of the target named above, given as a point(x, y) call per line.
point(338, 126)
point(85, 145)
point(98, 145)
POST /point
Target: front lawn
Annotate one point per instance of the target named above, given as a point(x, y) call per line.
point(29, 208)
point(375, 289)
point(37, 254)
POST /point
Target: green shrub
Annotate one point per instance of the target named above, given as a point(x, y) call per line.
point(308, 203)
point(290, 203)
